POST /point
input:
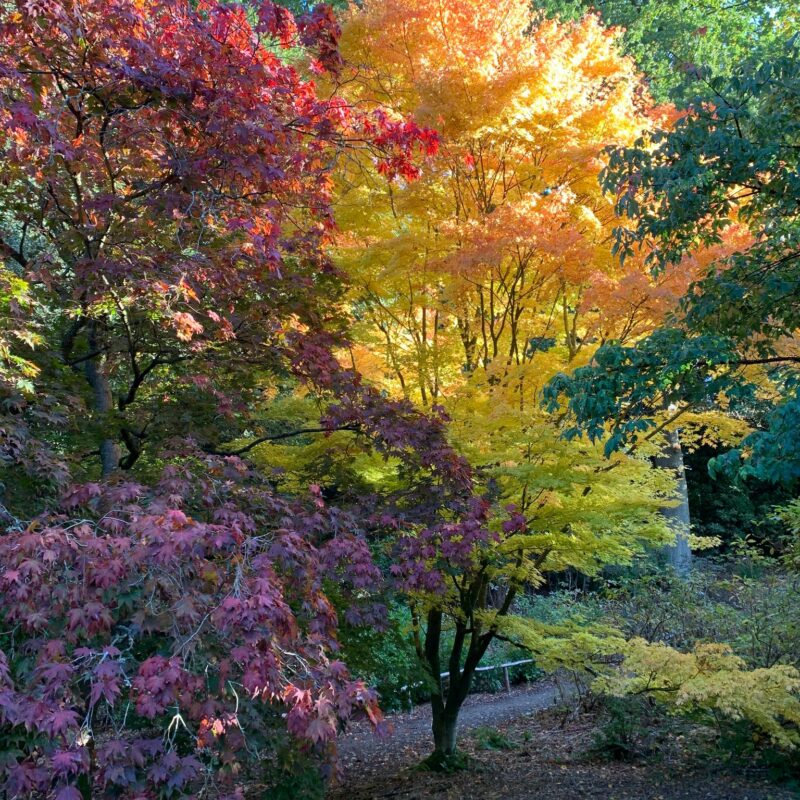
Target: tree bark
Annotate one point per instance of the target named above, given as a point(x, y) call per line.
point(445, 711)
point(445, 727)
point(103, 403)
point(678, 555)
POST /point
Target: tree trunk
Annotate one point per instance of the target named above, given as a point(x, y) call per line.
point(444, 727)
point(678, 555)
point(445, 707)
point(445, 711)
point(103, 403)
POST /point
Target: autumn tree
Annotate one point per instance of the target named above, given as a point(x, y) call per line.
point(480, 279)
point(734, 344)
point(165, 201)
point(502, 239)
point(496, 269)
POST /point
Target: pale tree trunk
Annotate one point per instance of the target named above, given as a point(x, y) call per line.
point(671, 457)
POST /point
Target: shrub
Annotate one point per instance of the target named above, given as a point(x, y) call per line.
point(386, 659)
point(670, 652)
point(756, 611)
point(148, 649)
point(621, 734)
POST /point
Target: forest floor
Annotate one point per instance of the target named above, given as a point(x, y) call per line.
point(543, 752)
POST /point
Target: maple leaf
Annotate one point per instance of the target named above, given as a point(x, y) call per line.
point(56, 672)
point(61, 721)
point(66, 762)
point(320, 730)
point(68, 793)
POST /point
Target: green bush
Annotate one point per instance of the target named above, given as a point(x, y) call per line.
point(387, 660)
point(738, 745)
point(630, 728)
point(754, 610)
point(562, 606)
point(620, 734)
point(298, 778)
point(729, 507)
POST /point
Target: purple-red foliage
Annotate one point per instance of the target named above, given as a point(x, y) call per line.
point(145, 634)
point(170, 175)
point(424, 559)
point(396, 427)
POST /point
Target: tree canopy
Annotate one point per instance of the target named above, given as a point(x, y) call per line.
point(728, 163)
point(165, 201)
point(675, 43)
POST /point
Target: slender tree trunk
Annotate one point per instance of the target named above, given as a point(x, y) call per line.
point(445, 710)
point(103, 403)
point(679, 555)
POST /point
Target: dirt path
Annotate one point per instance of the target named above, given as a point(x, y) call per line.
point(547, 757)
point(401, 747)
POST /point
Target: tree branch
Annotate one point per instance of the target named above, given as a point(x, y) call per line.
point(276, 437)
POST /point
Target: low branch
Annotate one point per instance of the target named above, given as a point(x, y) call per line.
point(275, 437)
point(750, 362)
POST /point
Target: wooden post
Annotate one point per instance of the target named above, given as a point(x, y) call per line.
point(508, 681)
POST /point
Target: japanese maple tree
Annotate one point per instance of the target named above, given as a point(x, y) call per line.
point(474, 284)
point(165, 187)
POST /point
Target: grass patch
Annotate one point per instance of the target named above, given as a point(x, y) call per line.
point(488, 738)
